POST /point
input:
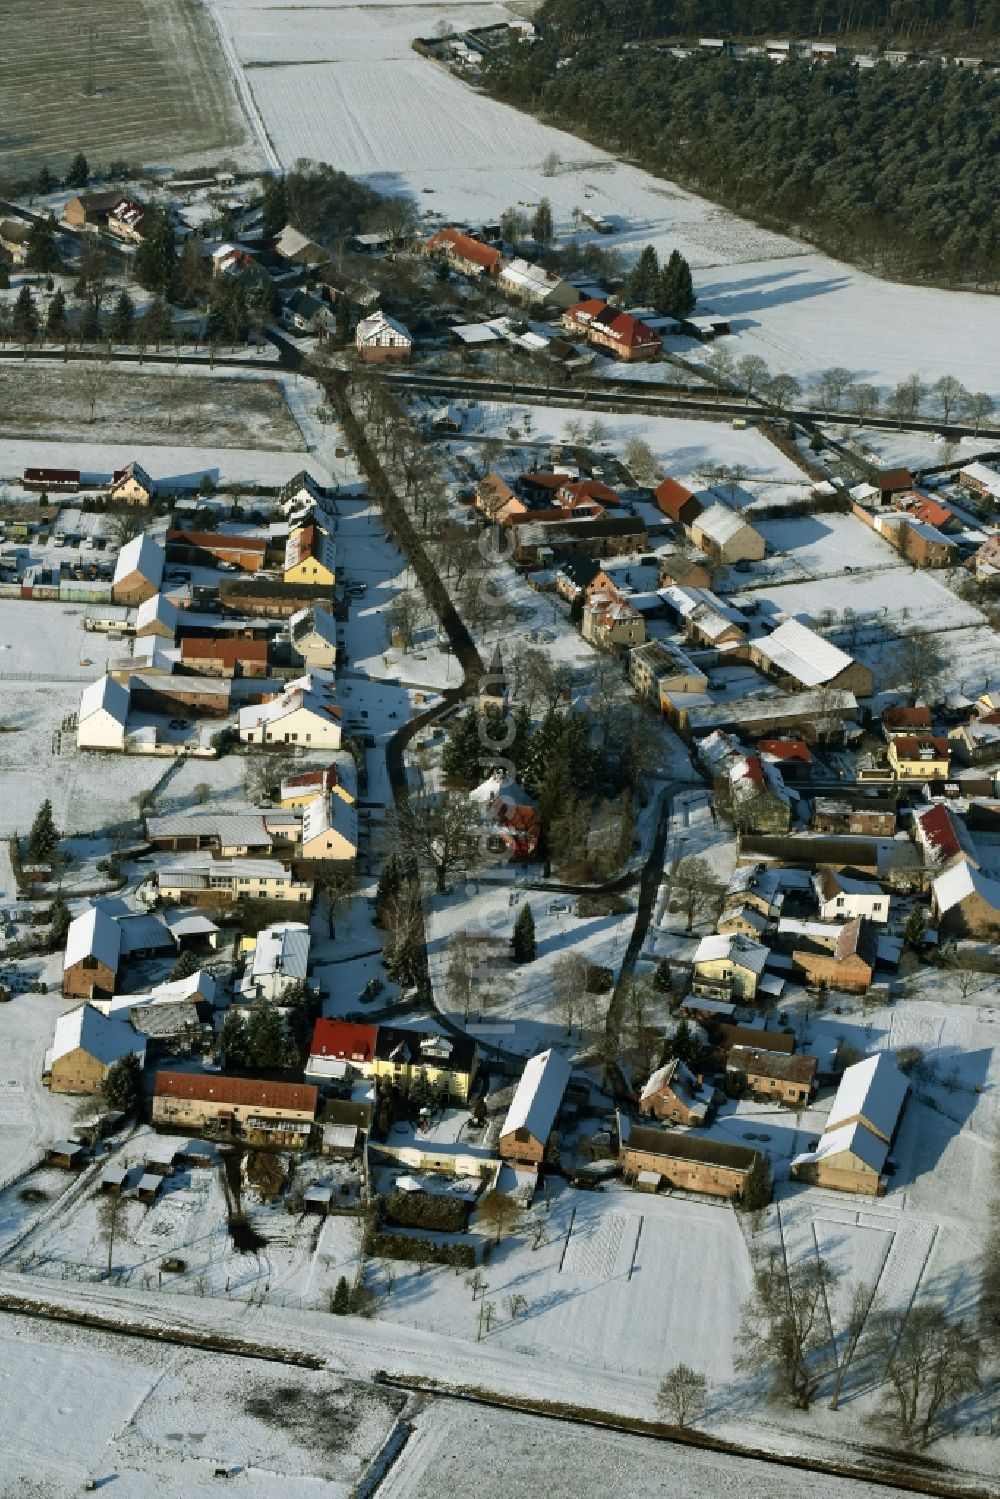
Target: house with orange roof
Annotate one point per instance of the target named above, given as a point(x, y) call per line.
point(465, 254)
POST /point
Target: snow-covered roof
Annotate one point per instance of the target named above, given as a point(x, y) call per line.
point(141, 555)
point(720, 524)
point(90, 1031)
point(379, 322)
point(734, 946)
point(94, 934)
point(804, 655)
point(330, 813)
point(963, 880)
point(282, 948)
point(982, 474)
point(157, 610)
point(105, 694)
point(314, 619)
point(874, 1090)
point(852, 1139)
point(538, 1096)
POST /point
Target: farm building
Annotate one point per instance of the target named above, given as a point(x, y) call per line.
point(138, 571)
point(860, 1129)
point(536, 1103)
point(690, 1162)
point(93, 952)
point(797, 657)
point(102, 715)
point(678, 502)
point(788, 1078)
point(258, 1113)
point(212, 548)
point(722, 534)
point(85, 1046)
point(51, 480)
point(90, 210)
point(212, 657)
point(380, 339)
point(850, 966)
point(966, 902)
point(156, 616)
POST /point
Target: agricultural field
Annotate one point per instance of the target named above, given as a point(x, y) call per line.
point(129, 406)
point(135, 80)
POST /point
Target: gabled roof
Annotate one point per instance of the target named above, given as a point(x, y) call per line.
point(141, 555)
point(378, 323)
point(157, 610)
point(88, 1030)
point(314, 620)
point(739, 949)
point(342, 1038)
point(673, 497)
point(210, 1087)
point(857, 939)
point(326, 814)
point(762, 1063)
point(135, 471)
point(720, 524)
point(781, 750)
point(538, 1096)
point(961, 881)
point(94, 934)
point(873, 1090)
point(467, 248)
point(225, 652)
point(282, 949)
point(850, 1139)
point(105, 695)
point(801, 653)
point(942, 834)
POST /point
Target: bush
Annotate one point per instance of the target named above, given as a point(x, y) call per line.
point(390, 1246)
point(909, 1059)
point(599, 979)
point(427, 1210)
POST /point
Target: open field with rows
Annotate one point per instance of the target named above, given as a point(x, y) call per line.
point(161, 91)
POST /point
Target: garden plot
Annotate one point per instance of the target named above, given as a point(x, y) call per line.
point(900, 597)
point(622, 1281)
point(30, 1116)
point(126, 405)
point(819, 546)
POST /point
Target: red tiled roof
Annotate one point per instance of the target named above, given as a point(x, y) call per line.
point(785, 749)
point(907, 718)
point(543, 480)
point(940, 832)
point(589, 309)
point(629, 331)
point(929, 511)
point(908, 746)
point(894, 479)
point(209, 1087)
point(323, 780)
point(341, 1038)
point(672, 496)
point(589, 489)
point(226, 651)
point(468, 248)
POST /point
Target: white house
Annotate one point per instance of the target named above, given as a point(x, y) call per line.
point(329, 829)
point(279, 960)
point(841, 897)
point(380, 339)
point(535, 285)
point(299, 715)
point(312, 634)
point(103, 714)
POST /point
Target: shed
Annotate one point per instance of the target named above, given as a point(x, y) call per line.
point(160, 1158)
point(114, 1180)
point(68, 1154)
point(149, 1187)
point(648, 1181)
point(318, 1199)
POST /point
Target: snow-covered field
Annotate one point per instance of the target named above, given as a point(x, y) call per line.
point(176, 466)
point(811, 546)
point(340, 83)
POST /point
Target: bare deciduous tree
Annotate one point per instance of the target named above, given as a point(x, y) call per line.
point(682, 1395)
point(568, 980)
point(929, 1364)
point(499, 1212)
point(693, 887)
point(784, 1325)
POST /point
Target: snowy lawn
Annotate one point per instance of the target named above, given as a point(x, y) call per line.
point(812, 546)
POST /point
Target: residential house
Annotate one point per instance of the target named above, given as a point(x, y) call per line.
point(678, 502)
point(759, 798)
point(138, 570)
point(657, 668)
point(726, 537)
point(535, 286)
point(299, 790)
point(494, 495)
point(919, 543)
point(930, 512)
point(243, 553)
point(919, 757)
point(102, 715)
point(864, 816)
point(301, 489)
point(339, 1047)
point(310, 557)
point(92, 955)
point(299, 715)
point(608, 328)
point(686, 1162)
point(899, 720)
point(841, 895)
point(745, 919)
point(277, 961)
point(380, 339)
point(966, 902)
point(705, 617)
point(728, 966)
point(131, 485)
point(127, 220)
point(534, 1108)
point(189, 696)
point(237, 1108)
point(90, 210)
point(851, 964)
point(465, 254)
point(211, 657)
point(982, 478)
point(978, 740)
point(448, 1063)
point(574, 574)
point(224, 881)
point(799, 658)
point(513, 819)
point(611, 624)
point(292, 245)
point(312, 635)
point(759, 1039)
point(85, 1046)
point(329, 830)
point(772, 1075)
point(860, 1129)
point(157, 617)
point(674, 1093)
point(943, 837)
